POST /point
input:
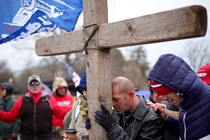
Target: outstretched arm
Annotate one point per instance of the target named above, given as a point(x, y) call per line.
point(13, 114)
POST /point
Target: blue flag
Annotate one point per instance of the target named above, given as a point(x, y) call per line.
point(37, 23)
point(18, 16)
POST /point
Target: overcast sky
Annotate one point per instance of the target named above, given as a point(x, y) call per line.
point(19, 52)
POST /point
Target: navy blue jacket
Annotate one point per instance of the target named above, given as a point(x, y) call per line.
point(194, 119)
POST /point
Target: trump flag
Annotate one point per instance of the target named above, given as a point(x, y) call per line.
point(21, 18)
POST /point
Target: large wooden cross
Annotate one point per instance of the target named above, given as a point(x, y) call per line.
point(98, 37)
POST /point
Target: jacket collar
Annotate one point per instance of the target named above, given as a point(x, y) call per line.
point(7, 98)
point(43, 94)
point(141, 109)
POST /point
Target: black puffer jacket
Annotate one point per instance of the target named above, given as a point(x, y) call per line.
point(142, 124)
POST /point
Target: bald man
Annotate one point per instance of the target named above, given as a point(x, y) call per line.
point(132, 119)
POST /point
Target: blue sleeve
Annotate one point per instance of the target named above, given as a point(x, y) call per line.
point(172, 125)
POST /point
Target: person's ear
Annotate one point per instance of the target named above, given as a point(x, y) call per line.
point(131, 94)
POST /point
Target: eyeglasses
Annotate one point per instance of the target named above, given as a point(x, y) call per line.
point(35, 83)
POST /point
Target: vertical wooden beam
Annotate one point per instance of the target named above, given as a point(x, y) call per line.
point(98, 65)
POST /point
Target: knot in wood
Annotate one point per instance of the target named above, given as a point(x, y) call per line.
point(130, 28)
point(47, 51)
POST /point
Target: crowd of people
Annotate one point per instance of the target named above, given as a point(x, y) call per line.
point(178, 108)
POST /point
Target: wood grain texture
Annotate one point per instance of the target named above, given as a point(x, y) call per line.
point(170, 25)
point(176, 24)
point(98, 66)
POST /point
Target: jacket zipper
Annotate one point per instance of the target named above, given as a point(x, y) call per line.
point(184, 123)
point(34, 121)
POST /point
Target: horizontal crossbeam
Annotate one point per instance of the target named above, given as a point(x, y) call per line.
point(170, 25)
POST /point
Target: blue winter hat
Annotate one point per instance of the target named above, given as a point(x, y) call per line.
point(82, 85)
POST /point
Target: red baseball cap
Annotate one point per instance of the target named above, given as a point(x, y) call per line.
point(204, 73)
point(159, 88)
